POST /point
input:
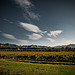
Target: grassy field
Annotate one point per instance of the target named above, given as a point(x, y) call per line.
point(21, 68)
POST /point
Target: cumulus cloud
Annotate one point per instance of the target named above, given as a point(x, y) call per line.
point(9, 36)
point(55, 33)
point(26, 5)
point(35, 36)
point(30, 27)
point(50, 39)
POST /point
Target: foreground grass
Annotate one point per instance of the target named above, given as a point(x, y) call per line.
point(21, 68)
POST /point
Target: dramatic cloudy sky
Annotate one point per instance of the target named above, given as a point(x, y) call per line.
point(39, 22)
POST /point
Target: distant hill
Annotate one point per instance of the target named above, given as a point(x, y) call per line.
point(7, 45)
point(13, 47)
point(70, 45)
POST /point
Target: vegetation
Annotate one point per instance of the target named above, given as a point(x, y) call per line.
point(13, 47)
point(54, 61)
point(21, 68)
point(39, 56)
point(38, 49)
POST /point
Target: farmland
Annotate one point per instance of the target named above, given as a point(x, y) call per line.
point(39, 56)
point(37, 63)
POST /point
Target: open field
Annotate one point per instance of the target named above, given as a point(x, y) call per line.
point(39, 56)
point(21, 68)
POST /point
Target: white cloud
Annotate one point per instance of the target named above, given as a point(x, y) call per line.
point(30, 27)
point(35, 36)
point(8, 20)
point(9, 36)
point(26, 5)
point(55, 33)
point(22, 3)
point(65, 42)
point(23, 41)
point(32, 14)
point(51, 40)
point(44, 32)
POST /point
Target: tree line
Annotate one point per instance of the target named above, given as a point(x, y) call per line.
point(37, 49)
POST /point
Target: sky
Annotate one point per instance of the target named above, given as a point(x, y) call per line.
point(37, 22)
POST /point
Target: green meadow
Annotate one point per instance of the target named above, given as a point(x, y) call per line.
point(21, 68)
